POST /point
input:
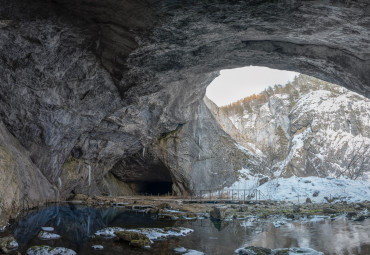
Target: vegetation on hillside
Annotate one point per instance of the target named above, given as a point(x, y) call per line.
point(301, 84)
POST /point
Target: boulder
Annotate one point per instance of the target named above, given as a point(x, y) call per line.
point(329, 210)
point(252, 250)
point(134, 238)
point(139, 243)
point(8, 244)
point(44, 235)
point(218, 213)
point(48, 250)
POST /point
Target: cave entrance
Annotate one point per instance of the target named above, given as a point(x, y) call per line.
point(152, 188)
point(145, 174)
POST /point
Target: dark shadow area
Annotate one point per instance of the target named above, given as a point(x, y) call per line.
point(146, 175)
point(153, 188)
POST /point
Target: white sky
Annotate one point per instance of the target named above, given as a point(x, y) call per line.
point(234, 84)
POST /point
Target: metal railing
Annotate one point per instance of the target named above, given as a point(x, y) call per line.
point(251, 194)
point(241, 195)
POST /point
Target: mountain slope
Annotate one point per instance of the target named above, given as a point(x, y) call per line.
point(306, 128)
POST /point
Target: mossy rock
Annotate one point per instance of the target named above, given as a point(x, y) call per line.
point(282, 252)
point(139, 243)
point(131, 235)
point(8, 244)
point(255, 251)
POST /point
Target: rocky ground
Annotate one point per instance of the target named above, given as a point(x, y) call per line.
point(175, 208)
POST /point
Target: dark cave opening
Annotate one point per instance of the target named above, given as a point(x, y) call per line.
point(153, 188)
point(145, 175)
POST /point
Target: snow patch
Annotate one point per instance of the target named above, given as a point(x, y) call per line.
point(180, 250)
point(47, 250)
point(43, 235)
point(48, 229)
point(151, 233)
point(98, 247)
point(297, 189)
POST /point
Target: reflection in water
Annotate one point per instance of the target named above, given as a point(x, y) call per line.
point(332, 237)
point(76, 224)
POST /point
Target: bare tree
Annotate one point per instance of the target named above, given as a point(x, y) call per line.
point(356, 160)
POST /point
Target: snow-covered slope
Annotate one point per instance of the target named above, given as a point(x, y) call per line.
point(307, 128)
point(298, 189)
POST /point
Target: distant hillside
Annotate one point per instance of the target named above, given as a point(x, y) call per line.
point(305, 128)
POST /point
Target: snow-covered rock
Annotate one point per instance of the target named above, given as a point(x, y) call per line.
point(48, 229)
point(264, 251)
point(44, 235)
point(98, 247)
point(47, 250)
point(151, 233)
point(306, 128)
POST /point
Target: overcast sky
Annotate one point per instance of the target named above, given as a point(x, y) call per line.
point(234, 84)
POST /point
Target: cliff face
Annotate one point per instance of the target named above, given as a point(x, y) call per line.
point(202, 154)
point(22, 183)
point(310, 128)
point(87, 85)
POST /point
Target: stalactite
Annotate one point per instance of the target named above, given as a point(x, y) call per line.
point(89, 167)
point(59, 183)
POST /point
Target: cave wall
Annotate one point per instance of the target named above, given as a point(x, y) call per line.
point(202, 156)
point(22, 184)
point(91, 83)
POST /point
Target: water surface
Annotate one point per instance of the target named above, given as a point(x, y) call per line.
point(76, 224)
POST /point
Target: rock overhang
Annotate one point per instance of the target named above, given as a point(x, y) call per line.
point(147, 65)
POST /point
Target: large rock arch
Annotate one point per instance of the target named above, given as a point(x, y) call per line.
point(86, 84)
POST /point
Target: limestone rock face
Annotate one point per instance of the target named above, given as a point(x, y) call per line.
point(201, 156)
point(22, 183)
point(226, 124)
point(88, 84)
point(310, 128)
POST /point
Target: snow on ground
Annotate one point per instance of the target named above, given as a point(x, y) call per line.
point(297, 189)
